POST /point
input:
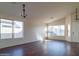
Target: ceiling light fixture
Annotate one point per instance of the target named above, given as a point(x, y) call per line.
point(76, 14)
point(23, 13)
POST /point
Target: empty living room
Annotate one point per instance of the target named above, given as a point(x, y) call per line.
point(39, 28)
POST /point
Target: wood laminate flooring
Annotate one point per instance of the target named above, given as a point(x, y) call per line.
point(39, 48)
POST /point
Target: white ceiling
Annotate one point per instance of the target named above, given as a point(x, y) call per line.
point(39, 12)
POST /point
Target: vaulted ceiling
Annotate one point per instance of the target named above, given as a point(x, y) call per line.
point(39, 12)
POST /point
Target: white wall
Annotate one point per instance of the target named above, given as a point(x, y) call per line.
point(68, 23)
point(32, 32)
point(74, 28)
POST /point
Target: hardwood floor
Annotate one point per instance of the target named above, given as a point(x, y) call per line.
point(47, 48)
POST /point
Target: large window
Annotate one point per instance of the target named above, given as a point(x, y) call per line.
point(10, 29)
point(18, 29)
point(57, 30)
point(6, 29)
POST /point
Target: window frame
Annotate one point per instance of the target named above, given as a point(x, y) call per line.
point(12, 29)
point(59, 26)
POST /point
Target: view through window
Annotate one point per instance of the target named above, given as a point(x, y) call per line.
point(57, 30)
point(18, 29)
point(11, 29)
